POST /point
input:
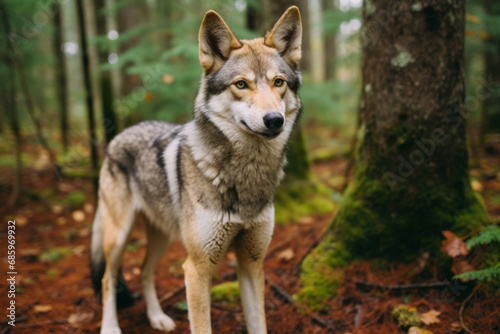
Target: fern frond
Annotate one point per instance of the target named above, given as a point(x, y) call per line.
point(487, 273)
point(488, 234)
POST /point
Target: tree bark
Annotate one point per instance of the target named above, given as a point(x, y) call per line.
point(132, 15)
point(411, 177)
point(61, 78)
point(490, 113)
point(88, 93)
point(14, 125)
point(109, 122)
point(329, 5)
point(13, 118)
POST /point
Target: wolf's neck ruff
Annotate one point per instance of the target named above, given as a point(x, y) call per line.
point(243, 166)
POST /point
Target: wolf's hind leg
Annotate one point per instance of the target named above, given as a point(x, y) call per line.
point(117, 215)
point(157, 244)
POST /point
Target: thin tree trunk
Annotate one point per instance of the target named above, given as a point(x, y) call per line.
point(16, 185)
point(411, 177)
point(11, 104)
point(252, 17)
point(109, 122)
point(317, 45)
point(88, 92)
point(132, 15)
point(329, 5)
point(4, 107)
point(305, 62)
point(61, 78)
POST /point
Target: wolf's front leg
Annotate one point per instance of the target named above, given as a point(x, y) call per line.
point(251, 248)
point(198, 277)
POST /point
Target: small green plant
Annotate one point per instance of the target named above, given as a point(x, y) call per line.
point(488, 235)
point(75, 199)
point(54, 254)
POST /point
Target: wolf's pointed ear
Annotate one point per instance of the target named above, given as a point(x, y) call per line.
point(216, 41)
point(286, 36)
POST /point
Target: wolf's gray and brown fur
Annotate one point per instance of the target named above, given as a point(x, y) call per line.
point(210, 182)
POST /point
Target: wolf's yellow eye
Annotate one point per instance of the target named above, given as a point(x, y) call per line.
point(279, 82)
point(240, 84)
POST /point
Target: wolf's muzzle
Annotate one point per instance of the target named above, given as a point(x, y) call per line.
point(274, 121)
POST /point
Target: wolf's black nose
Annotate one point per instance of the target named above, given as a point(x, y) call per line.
point(274, 121)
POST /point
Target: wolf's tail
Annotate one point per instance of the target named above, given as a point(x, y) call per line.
point(124, 297)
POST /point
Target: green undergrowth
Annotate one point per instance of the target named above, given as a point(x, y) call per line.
point(486, 246)
point(226, 293)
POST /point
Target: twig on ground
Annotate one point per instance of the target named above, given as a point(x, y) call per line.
point(359, 316)
point(172, 294)
point(222, 307)
point(460, 312)
point(27, 308)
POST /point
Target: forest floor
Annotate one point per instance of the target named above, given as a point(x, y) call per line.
point(54, 291)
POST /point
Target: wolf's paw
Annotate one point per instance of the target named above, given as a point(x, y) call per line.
point(111, 330)
point(162, 322)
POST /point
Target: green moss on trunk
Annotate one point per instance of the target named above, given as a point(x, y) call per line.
point(298, 158)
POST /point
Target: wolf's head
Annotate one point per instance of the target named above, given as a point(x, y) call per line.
point(250, 86)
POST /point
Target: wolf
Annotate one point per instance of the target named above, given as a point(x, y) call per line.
point(210, 182)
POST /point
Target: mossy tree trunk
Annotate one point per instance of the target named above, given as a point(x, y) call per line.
point(490, 115)
point(411, 175)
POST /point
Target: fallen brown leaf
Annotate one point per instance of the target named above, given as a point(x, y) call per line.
point(78, 216)
point(453, 245)
point(430, 317)
point(455, 327)
point(286, 255)
point(42, 308)
point(80, 318)
point(418, 330)
point(477, 186)
point(306, 220)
